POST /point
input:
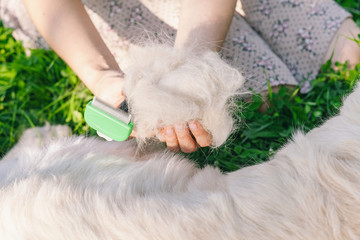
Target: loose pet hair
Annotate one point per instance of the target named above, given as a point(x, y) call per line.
point(165, 86)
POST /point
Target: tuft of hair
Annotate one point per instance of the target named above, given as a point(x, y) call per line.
point(165, 86)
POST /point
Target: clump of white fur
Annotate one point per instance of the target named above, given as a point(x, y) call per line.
point(165, 86)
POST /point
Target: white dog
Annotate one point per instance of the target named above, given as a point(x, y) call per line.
point(84, 188)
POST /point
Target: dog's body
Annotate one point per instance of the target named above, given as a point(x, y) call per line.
point(83, 188)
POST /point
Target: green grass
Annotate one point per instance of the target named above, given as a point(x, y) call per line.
point(352, 6)
point(36, 89)
point(262, 134)
point(39, 87)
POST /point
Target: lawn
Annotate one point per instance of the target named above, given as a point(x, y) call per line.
point(40, 87)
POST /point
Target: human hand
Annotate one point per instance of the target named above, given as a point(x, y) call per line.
point(185, 137)
point(108, 88)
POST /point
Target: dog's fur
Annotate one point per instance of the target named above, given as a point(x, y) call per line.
point(84, 188)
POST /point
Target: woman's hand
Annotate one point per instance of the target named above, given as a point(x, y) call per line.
point(68, 29)
point(109, 87)
point(185, 137)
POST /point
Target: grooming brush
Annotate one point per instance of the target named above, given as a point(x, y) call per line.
point(110, 123)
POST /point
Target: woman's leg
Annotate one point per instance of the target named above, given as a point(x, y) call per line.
point(122, 22)
point(343, 49)
point(247, 51)
point(298, 31)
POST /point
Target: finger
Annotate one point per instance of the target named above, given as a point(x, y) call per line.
point(203, 138)
point(161, 135)
point(134, 134)
point(171, 139)
point(185, 140)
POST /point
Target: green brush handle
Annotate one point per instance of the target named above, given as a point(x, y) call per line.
point(107, 124)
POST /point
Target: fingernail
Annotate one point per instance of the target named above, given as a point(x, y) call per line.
point(179, 127)
point(169, 132)
point(192, 126)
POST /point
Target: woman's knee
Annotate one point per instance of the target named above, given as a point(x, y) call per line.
point(341, 48)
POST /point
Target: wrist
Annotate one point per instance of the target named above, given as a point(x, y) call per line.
point(196, 44)
point(92, 74)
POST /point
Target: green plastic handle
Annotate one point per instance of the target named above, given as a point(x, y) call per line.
point(107, 124)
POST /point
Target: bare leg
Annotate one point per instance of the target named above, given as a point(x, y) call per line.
point(343, 48)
